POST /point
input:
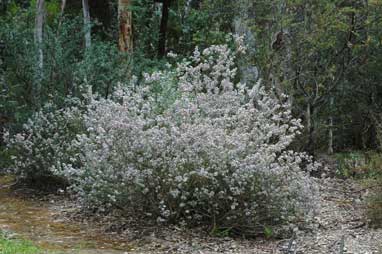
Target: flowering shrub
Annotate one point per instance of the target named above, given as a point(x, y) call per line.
point(44, 145)
point(215, 153)
point(188, 146)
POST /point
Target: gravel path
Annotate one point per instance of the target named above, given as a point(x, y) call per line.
point(340, 226)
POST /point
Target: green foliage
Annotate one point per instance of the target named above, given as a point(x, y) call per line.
point(102, 68)
point(221, 232)
point(194, 32)
point(268, 232)
point(17, 65)
point(67, 68)
point(359, 164)
point(323, 51)
point(146, 28)
point(6, 161)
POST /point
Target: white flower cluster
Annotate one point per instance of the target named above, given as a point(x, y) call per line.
point(217, 154)
point(45, 145)
point(190, 146)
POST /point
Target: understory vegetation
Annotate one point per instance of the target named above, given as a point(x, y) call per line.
point(365, 167)
point(206, 113)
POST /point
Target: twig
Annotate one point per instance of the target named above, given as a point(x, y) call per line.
point(358, 226)
point(290, 245)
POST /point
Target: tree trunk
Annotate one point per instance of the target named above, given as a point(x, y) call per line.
point(163, 28)
point(86, 13)
point(125, 42)
point(63, 5)
point(249, 73)
point(330, 136)
point(40, 13)
point(40, 16)
point(310, 128)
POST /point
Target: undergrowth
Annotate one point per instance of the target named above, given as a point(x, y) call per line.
point(365, 167)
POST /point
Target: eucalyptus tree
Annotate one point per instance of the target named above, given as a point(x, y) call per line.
point(125, 42)
point(86, 14)
point(40, 16)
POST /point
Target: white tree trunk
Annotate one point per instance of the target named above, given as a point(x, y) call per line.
point(40, 17)
point(308, 117)
point(63, 5)
point(330, 136)
point(40, 13)
point(249, 72)
point(86, 14)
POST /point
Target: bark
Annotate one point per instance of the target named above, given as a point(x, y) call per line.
point(308, 117)
point(310, 128)
point(125, 42)
point(163, 28)
point(249, 73)
point(40, 17)
point(40, 5)
point(63, 5)
point(86, 14)
point(330, 136)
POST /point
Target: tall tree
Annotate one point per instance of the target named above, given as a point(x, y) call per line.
point(125, 42)
point(40, 16)
point(86, 14)
point(63, 5)
point(163, 28)
point(242, 27)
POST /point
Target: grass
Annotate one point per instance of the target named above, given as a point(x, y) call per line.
point(12, 246)
point(19, 246)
